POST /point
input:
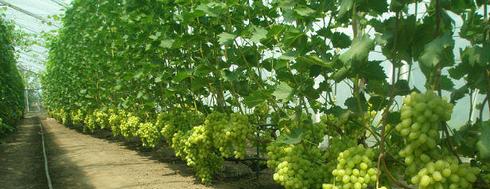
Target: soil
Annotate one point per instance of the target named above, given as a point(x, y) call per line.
point(21, 157)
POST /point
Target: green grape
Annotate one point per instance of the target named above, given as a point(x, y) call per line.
point(89, 122)
point(101, 119)
point(421, 116)
point(149, 134)
point(231, 135)
point(355, 169)
point(298, 166)
point(445, 174)
point(198, 151)
point(175, 121)
point(129, 127)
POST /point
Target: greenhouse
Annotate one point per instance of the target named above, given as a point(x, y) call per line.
point(232, 94)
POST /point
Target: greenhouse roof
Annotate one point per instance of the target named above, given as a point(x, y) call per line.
point(32, 16)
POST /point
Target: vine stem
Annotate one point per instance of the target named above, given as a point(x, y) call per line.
point(386, 110)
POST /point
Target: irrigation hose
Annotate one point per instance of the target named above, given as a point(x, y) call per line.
point(46, 168)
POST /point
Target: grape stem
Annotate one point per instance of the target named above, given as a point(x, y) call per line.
point(448, 141)
point(391, 177)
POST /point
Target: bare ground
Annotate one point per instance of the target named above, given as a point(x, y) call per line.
point(21, 158)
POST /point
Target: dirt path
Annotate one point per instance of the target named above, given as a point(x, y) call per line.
point(21, 158)
point(82, 161)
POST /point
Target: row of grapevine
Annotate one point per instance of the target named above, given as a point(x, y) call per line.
point(11, 84)
point(204, 75)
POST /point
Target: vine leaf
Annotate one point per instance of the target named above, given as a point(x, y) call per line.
point(255, 98)
point(226, 38)
point(353, 105)
point(483, 144)
point(283, 91)
point(167, 43)
point(313, 60)
point(402, 88)
point(360, 49)
point(446, 83)
point(304, 11)
point(258, 34)
point(437, 51)
point(182, 75)
point(372, 71)
point(295, 137)
point(340, 40)
point(345, 6)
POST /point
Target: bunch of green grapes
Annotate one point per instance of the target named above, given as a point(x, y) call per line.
point(173, 122)
point(101, 118)
point(89, 122)
point(77, 117)
point(421, 117)
point(179, 140)
point(355, 169)
point(199, 154)
point(262, 112)
point(300, 167)
point(129, 127)
point(231, 135)
point(486, 173)
point(443, 174)
point(115, 121)
point(149, 134)
point(336, 146)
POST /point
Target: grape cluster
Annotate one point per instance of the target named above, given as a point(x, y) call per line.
point(299, 165)
point(298, 168)
point(77, 117)
point(115, 121)
point(421, 116)
point(443, 174)
point(485, 172)
point(173, 122)
point(149, 134)
point(337, 145)
point(129, 127)
point(199, 154)
point(90, 123)
point(355, 169)
point(231, 134)
point(101, 118)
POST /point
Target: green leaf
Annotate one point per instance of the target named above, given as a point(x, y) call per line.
point(226, 38)
point(340, 40)
point(182, 75)
point(377, 102)
point(313, 60)
point(304, 11)
point(359, 50)
point(295, 137)
point(483, 144)
point(459, 93)
point(372, 71)
point(446, 83)
point(345, 5)
point(354, 105)
point(402, 88)
point(167, 43)
point(436, 51)
point(259, 34)
point(283, 91)
point(255, 98)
